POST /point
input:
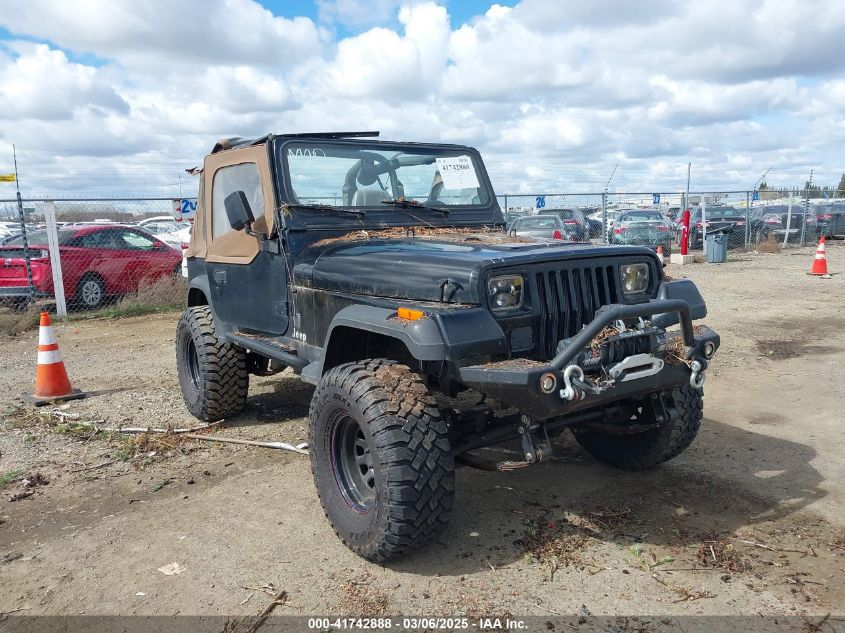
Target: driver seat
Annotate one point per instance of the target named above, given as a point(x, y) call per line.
point(368, 197)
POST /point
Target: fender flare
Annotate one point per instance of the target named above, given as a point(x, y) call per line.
point(422, 337)
point(448, 335)
point(200, 282)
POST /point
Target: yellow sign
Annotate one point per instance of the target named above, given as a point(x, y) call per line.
point(7, 178)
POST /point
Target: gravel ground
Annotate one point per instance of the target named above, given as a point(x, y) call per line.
point(748, 521)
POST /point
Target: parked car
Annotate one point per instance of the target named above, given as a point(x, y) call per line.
point(574, 220)
point(172, 232)
point(642, 228)
point(719, 218)
point(612, 214)
point(594, 227)
point(830, 219)
point(97, 262)
point(772, 220)
point(542, 228)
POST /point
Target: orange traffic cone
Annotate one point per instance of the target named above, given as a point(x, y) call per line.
point(51, 381)
point(660, 253)
point(820, 261)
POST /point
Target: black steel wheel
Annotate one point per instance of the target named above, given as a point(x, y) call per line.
point(381, 458)
point(352, 462)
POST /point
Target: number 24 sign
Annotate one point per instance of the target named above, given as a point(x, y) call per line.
point(184, 208)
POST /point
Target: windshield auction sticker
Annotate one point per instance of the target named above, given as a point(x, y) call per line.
point(457, 172)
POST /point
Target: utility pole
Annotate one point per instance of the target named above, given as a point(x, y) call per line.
point(31, 298)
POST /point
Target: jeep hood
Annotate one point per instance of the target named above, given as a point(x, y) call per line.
point(419, 269)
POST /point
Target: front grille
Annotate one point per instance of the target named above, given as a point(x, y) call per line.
point(569, 298)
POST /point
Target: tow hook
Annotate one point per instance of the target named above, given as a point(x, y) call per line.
point(696, 378)
point(570, 392)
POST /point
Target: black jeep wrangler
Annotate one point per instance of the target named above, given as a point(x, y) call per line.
point(380, 272)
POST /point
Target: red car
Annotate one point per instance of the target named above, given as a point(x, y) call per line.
point(97, 262)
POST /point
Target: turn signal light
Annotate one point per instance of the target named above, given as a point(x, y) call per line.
point(557, 235)
point(409, 315)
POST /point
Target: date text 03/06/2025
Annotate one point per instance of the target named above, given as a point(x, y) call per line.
point(415, 623)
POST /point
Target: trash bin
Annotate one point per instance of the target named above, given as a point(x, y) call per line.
point(716, 247)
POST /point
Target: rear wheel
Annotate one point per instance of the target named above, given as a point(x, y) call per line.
point(381, 458)
point(212, 374)
point(643, 451)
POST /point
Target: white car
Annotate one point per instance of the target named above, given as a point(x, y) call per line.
point(171, 232)
point(176, 234)
point(611, 218)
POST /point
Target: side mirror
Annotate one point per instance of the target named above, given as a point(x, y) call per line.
point(238, 211)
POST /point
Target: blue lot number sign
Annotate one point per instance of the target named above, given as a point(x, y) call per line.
point(184, 208)
point(655, 198)
point(540, 202)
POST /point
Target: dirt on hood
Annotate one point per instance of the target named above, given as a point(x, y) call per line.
point(465, 234)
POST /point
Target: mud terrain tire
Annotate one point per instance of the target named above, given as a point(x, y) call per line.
point(212, 374)
point(381, 458)
point(643, 451)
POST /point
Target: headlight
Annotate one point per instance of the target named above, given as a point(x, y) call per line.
point(634, 279)
point(505, 292)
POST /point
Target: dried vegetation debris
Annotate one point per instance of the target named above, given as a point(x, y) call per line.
point(556, 543)
point(722, 554)
point(361, 597)
point(515, 363)
point(466, 234)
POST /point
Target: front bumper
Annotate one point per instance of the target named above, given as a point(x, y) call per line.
point(519, 382)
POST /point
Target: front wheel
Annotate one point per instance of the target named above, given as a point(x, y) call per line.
point(643, 451)
point(381, 458)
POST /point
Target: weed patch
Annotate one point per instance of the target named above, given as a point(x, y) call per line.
point(8, 477)
point(14, 323)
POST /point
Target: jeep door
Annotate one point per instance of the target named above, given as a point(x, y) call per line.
point(247, 280)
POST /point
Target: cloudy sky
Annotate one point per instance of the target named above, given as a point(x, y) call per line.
point(120, 96)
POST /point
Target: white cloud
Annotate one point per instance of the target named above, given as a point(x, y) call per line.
point(126, 93)
point(182, 33)
point(384, 65)
point(41, 83)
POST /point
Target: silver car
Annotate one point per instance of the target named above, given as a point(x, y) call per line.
point(542, 228)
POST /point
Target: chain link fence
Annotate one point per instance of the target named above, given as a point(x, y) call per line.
point(768, 220)
point(76, 255)
point(126, 254)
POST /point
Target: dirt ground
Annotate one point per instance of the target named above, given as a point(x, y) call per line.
point(750, 520)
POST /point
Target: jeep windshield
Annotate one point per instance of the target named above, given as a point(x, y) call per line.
point(392, 183)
